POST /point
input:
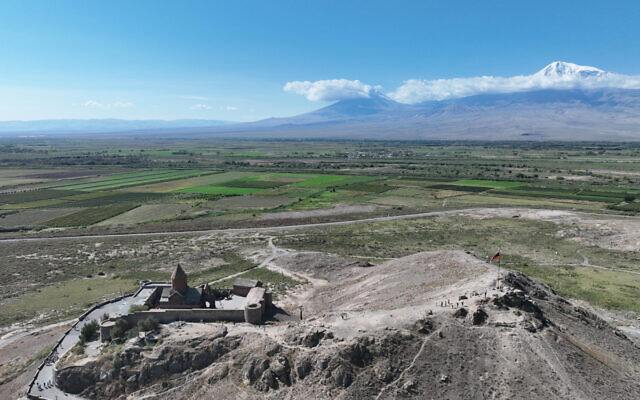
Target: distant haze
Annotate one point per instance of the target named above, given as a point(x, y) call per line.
point(562, 101)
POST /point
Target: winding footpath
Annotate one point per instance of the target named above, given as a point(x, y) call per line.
point(43, 385)
point(585, 263)
point(275, 252)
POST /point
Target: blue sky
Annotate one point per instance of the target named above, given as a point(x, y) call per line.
point(230, 60)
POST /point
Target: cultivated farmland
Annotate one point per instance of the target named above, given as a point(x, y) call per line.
point(88, 216)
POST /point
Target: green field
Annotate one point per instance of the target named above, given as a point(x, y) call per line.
point(35, 195)
point(137, 184)
point(134, 179)
point(330, 180)
point(368, 187)
point(253, 183)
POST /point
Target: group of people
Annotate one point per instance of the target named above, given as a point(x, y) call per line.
point(448, 303)
point(47, 385)
point(52, 358)
point(460, 302)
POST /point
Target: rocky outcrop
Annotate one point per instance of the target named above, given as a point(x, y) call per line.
point(524, 342)
point(130, 369)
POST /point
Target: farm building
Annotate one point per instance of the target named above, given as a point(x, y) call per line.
point(242, 286)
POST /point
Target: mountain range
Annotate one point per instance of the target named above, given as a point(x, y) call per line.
point(100, 125)
point(565, 109)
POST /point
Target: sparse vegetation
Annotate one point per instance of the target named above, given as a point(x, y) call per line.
point(89, 330)
point(89, 216)
point(138, 307)
point(50, 184)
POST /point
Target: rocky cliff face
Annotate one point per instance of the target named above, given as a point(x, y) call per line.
point(524, 342)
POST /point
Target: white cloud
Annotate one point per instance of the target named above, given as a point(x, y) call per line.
point(92, 104)
point(557, 75)
point(331, 90)
point(117, 104)
point(188, 97)
point(122, 104)
point(200, 107)
point(231, 108)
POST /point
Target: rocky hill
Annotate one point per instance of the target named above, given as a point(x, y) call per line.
point(431, 325)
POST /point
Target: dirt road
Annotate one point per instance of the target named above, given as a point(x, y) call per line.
point(280, 228)
point(240, 230)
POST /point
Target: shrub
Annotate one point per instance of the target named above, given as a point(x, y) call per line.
point(89, 330)
point(121, 327)
point(79, 348)
point(138, 307)
point(149, 324)
point(629, 198)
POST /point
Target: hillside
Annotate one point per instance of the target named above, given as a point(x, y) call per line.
point(382, 332)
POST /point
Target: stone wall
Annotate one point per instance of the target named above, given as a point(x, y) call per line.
point(154, 298)
point(166, 316)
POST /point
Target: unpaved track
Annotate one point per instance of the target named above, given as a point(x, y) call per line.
point(238, 230)
point(284, 227)
point(585, 263)
point(275, 252)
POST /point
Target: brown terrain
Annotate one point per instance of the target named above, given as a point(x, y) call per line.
point(431, 325)
point(20, 355)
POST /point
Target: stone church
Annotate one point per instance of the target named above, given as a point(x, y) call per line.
point(181, 295)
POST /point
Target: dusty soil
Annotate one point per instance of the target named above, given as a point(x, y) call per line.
point(615, 232)
point(16, 353)
point(431, 325)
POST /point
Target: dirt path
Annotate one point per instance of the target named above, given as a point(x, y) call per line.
point(585, 263)
point(13, 335)
point(275, 252)
point(286, 227)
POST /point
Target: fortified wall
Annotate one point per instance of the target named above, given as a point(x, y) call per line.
point(247, 302)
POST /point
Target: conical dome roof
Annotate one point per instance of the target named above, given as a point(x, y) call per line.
point(178, 274)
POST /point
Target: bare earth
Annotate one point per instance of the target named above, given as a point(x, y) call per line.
point(611, 232)
point(401, 329)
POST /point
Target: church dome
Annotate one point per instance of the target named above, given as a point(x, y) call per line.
point(179, 279)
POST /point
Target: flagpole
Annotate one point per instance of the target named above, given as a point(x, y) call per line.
point(499, 259)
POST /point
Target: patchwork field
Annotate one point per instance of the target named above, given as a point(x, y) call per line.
point(134, 179)
point(179, 184)
point(11, 177)
point(251, 202)
point(88, 216)
point(100, 215)
point(483, 183)
point(132, 210)
point(224, 190)
point(33, 217)
point(146, 213)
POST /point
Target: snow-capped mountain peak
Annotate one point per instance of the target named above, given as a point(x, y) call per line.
point(561, 69)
